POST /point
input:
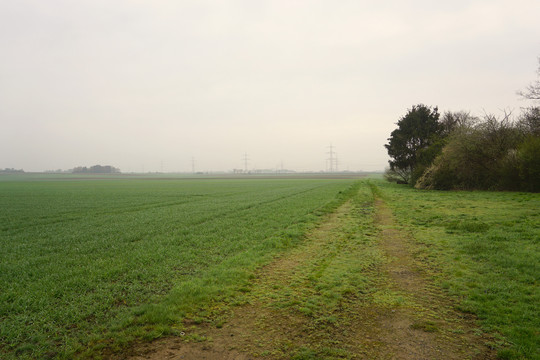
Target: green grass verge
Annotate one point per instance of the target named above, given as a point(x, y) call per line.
point(484, 248)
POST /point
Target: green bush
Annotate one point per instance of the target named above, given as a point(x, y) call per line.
point(528, 155)
point(492, 155)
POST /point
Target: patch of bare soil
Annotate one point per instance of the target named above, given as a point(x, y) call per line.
point(406, 318)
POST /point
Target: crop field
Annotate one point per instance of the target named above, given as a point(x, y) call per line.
point(86, 264)
point(94, 267)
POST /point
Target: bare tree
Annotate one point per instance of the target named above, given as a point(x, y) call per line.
point(532, 92)
point(453, 120)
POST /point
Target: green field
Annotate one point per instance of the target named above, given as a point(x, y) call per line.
point(89, 265)
point(86, 264)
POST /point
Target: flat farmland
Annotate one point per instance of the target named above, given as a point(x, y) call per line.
point(290, 268)
point(87, 264)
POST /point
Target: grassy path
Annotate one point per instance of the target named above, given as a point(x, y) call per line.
point(425, 324)
point(352, 290)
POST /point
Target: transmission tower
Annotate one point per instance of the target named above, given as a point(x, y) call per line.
point(245, 159)
point(193, 165)
point(332, 159)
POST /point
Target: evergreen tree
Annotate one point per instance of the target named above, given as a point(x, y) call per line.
point(408, 144)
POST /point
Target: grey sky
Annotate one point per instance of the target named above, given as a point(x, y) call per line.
point(137, 84)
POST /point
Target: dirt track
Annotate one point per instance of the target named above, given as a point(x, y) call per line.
point(405, 317)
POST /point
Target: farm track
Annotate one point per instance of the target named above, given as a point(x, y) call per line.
point(401, 316)
point(426, 326)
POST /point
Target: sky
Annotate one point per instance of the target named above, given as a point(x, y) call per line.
point(164, 85)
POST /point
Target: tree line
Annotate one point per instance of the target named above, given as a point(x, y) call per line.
point(11, 171)
point(457, 150)
point(96, 169)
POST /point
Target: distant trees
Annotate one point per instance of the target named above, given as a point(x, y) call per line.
point(11, 171)
point(96, 169)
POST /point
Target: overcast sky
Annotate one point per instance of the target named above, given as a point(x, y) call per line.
point(151, 85)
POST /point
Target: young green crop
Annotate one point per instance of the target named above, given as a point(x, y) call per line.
point(90, 264)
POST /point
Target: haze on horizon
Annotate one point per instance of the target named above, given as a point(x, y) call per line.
point(152, 85)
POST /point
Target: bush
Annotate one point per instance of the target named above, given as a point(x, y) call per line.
point(482, 156)
point(438, 176)
point(528, 156)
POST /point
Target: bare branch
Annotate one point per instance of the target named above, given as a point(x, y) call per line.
point(532, 92)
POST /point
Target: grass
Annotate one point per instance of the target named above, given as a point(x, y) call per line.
point(86, 266)
point(484, 248)
point(332, 272)
point(89, 265)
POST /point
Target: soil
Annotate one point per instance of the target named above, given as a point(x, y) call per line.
point(424, 326)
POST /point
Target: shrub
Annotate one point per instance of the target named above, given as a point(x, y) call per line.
point(528, 156)
point(483, 156)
